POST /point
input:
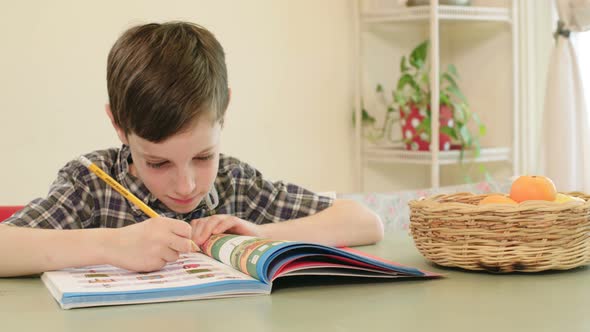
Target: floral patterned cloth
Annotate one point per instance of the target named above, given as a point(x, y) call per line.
point(393, 207)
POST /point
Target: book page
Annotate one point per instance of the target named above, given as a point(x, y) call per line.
point(240, 252)
point(265, 259)
point(189, 270)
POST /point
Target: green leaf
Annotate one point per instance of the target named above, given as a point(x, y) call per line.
point(480, 126)
point(465, 135)
point(367, 118)
point(459, 113)
point(453, 70)
point(455, 91)
point(449, 79)
point(482, 130)
point(405, 80)
point(399, 98)
point(477, 150)
point(444, 99)
point(425, 107)
point(419, 64)
point(403, 66)
point(379, 88)
point(476, 118)
point(418, 55)
point(424, 127)
point(468, 114)
point(425, 78)
point(449, 131)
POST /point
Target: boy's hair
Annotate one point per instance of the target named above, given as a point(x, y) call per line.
point(162, 78)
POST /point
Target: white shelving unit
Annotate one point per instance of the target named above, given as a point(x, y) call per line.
point(434, 15)
point(403, 156)
point(451, 13)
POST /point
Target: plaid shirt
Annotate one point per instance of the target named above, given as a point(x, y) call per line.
point(79, 199)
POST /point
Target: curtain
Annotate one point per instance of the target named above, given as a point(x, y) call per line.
point(582, 46)
point(566, 128)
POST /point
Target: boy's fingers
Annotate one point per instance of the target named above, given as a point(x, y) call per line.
point(210, 224)
point(195, 222)
point(180, 244)
point(181, 228)
point(207, 227)
point(170, 255)
point(197, 229)
point(223, 226)
point(214, 224)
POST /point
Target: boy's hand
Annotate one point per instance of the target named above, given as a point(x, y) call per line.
point(222, 223)
point(149, 245)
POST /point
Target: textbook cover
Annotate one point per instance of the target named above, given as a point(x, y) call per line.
point(228, 266)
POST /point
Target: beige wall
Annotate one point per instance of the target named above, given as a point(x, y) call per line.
point(290, 69)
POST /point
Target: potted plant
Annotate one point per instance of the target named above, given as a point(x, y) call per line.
point(411, 108)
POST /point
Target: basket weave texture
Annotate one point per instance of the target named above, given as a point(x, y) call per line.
point(452, 230)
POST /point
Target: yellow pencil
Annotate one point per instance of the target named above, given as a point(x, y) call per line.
point(119, 188)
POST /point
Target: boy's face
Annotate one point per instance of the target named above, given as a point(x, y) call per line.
point(181, 170)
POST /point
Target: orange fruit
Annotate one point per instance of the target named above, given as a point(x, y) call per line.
point(497, 199)
point(533, 187)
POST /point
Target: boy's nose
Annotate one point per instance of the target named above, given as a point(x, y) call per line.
point(185, 184)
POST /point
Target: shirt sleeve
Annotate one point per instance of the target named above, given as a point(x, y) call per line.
point(262, 201)
point(68, 205)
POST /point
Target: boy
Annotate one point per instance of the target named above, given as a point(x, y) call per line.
point(168, 93)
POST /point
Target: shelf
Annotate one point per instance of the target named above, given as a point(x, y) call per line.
point(402, 156)
point(380, 24)
point(448, 13)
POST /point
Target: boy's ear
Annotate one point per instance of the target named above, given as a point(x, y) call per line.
point(120, 132)
point(228, 101)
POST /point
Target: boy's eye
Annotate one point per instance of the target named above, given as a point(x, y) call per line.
point(155, 165)
point(161, 164)
point(207, 157)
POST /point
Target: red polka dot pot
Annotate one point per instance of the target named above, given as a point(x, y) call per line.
point(421, 141)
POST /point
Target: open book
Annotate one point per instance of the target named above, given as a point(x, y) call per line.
point(229, 265)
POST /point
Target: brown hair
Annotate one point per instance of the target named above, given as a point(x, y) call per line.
point(162, 78)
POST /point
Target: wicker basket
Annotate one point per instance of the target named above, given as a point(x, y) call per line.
point(452, 230)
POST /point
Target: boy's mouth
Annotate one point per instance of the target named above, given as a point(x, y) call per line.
point(183, 201)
